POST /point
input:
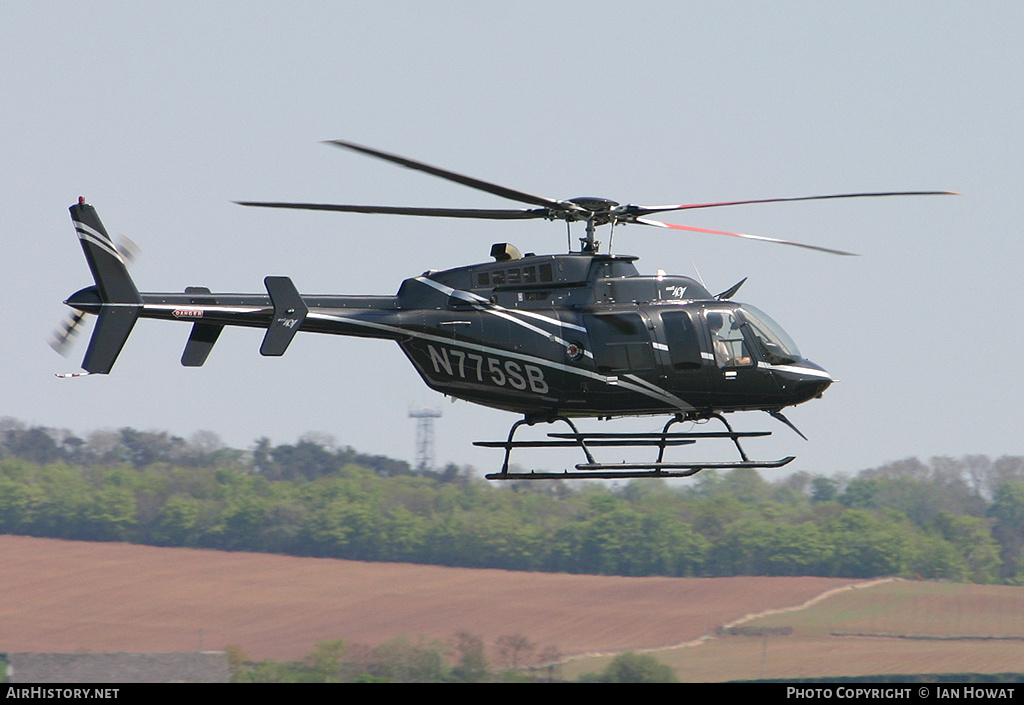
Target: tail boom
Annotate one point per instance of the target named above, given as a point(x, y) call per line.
point(282, 310)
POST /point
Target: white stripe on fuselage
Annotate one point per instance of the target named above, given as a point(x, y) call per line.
point(208, 307)
point(809, 371)
point(635, 384)
point(485, 305)
point(666, 396)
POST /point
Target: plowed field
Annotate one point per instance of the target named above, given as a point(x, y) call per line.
point(73, 596)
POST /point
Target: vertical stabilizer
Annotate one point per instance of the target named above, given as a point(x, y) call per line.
point(107, 264)
point(120, 300)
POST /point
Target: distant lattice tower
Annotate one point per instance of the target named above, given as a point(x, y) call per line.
point(424, 436)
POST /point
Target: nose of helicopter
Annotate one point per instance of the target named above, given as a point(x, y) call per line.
point(804, 381)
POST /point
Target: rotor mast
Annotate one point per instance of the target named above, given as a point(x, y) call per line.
point(589, 244)
point(595, 211)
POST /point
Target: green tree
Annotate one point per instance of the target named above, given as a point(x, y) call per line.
point(402, 660)
point(861, 493)
point(110, 515)
point(325, 661)
point(472, 661)
point(867, 547)
point(973, 538)
point(515, 650)
point(824, 489)
point(1008, 512)
point(17, 502)
point(179, 522)
point(746, 485)
point(630, 667)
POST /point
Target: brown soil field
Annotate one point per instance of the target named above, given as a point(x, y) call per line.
point(899, 627)
point(66, 596)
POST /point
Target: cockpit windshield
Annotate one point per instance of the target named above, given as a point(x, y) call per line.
point(778, 348)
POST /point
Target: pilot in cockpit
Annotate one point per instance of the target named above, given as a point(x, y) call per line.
point(723, 346)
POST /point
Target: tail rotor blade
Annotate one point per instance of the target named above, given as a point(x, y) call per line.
point(64, 337)
point(127, 248)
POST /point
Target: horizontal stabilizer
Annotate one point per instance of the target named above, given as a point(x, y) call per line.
point(200, 343)
point(203, 335)
point(289, 312)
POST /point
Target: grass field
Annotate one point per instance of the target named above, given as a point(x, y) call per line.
point(899, 627)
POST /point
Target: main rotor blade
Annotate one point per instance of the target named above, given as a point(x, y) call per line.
point(497, 190)
point(492, 214)
point(659, 224)
point(648, 210)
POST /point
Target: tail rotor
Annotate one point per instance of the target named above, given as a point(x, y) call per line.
point(113, 297)
point(64, 337)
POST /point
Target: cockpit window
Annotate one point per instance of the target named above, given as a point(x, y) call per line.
point(727, 340)
point(776, 346)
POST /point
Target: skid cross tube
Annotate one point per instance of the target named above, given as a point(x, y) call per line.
point(509, 444)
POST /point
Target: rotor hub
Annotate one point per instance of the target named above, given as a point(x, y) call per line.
point(594, 205)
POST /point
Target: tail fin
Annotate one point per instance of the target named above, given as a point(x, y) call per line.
point(120, 300)
point(107, 265)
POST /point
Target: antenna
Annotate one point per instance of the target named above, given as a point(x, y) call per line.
point(424, 436)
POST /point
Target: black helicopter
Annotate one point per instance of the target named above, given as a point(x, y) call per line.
point(548, 337)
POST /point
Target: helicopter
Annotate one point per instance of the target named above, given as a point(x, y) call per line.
point(550, 338)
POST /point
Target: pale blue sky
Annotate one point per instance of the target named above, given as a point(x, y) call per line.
point(162, 114)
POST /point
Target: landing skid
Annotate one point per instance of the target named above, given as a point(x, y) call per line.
point(610, 471)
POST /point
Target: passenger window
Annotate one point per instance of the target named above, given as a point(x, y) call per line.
point(683, 342)
point(529, 275)
point(620, 343)
point(483, 279)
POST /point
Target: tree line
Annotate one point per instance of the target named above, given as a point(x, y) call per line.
point(460, 659)
point(948, 518)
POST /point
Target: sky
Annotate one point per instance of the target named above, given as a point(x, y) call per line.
point(163, 114)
